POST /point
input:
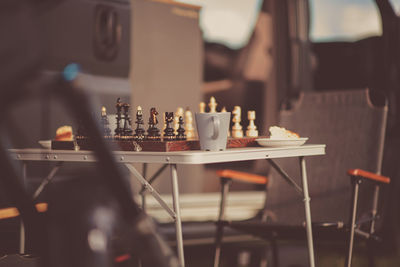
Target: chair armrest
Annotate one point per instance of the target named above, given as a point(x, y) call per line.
point(369, 175)
point(242, 176)
point(11, 212)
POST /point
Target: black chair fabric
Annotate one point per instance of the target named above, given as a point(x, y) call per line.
point(353, 130)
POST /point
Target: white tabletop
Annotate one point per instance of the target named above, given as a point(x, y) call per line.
point(175, 157)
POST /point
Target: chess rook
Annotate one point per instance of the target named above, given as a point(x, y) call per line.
point(169, 131)
point(251, 128)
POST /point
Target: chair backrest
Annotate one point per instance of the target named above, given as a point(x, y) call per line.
point(353, 130)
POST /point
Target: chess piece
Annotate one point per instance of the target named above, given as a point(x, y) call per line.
point(139, 131)
point(202, 107)
point(127, 130)
point(213, 105)
point(224, 110)
point(190, 132)
point(105, 123)
point(153, 133)
point(169, 131)
point(237, 130)
point(179, 113)
point(251, 128)
point(118, 129)
point(181, 131)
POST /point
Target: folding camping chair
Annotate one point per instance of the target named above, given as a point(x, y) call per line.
point(353, 128)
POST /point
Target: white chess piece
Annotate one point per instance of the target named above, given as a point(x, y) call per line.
point(251, 128)
point(224, 110)
point(178, 113)
point(213, 105)
point(189, 129)
point(202, 107)
point(237, 130)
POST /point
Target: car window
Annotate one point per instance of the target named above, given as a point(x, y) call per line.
point(344, 20)
point(228, 22)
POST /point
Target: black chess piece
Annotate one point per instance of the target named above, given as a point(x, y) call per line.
point(127, 130)
point(105, 123)
point(181, 131)
point(139, 131)
point(169, 130)
point(119, 129)
point(153, 133)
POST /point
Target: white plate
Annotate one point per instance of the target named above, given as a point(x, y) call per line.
point(45, 143)
point(281, 142)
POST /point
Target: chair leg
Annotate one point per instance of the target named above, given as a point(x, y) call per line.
point(275, 252)
point(355, 183)
point(225, 183)
point(371, 254)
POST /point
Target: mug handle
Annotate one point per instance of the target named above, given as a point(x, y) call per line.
point(216, 124)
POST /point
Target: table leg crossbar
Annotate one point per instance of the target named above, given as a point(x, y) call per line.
point(285, 176)
point(147, 186)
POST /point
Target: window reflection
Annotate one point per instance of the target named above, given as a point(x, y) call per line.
point(228, 22)
point(344, 20)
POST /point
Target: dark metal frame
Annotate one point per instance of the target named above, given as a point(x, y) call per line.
point(150, 246)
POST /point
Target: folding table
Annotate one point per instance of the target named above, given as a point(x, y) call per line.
point(172, 159)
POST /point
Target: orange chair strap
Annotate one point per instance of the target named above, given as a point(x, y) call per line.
point(11, 212)
point(369, 175)
point(243, 176)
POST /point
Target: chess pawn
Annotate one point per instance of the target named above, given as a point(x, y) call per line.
point(202, 107)
point(181, 131)
point(237, 130)
point(213, 105)
point(251, 128)
point(224, 110)
point(179, 113)
point(190, 132)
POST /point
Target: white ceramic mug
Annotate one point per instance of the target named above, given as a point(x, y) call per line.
point(212, 129)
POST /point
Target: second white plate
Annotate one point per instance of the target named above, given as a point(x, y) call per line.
point(267, 142)
point(45, 143)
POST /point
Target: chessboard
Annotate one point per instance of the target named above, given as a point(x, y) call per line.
point(161, 146)
point(177, 134)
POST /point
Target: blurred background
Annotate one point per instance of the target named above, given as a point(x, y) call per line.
point(257, 54)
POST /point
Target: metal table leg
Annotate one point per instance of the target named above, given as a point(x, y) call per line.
point(144, 174)
point(178, 223)
point(22, 228)
point(307, 211)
